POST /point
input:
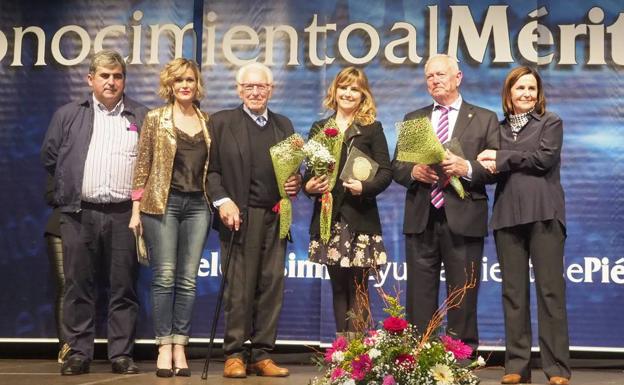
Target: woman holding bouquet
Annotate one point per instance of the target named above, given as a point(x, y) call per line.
point(529, 223)
point(353, 244)
point(170, 203)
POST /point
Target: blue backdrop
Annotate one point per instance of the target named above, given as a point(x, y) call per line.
point(44, 52)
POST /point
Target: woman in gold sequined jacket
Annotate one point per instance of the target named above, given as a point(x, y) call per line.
point(171, 207)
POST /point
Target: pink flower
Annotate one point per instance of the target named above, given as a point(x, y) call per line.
point(459, 349)
point(339, 344)
point(133, 127)
point(331, 132)
point(406, 361)
point(337, 373)
point(389, 380)
point(361, 365)
point(395, 325)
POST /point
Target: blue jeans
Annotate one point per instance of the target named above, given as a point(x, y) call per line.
point(175, 242)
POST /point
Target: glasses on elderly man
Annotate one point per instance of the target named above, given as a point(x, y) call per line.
point(261, 87)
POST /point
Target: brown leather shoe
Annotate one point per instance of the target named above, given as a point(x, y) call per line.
point(556, 380)
point(267, 368)
point(234, 368)
point(514, 379)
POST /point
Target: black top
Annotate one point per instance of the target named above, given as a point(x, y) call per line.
point(529, 187)
point(359, 212)
point(263, 190)
point(189, 161)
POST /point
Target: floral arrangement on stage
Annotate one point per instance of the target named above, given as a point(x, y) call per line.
point(418, 143)
point(395, 354)
point(286, 156)
point(322, 153)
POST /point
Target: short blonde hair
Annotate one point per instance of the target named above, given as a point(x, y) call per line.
point(175, 69)
point(107, 58)
point(366, 112)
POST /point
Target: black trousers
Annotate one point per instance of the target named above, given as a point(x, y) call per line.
point(255, 287)
point(424, 254)
point(542, 243)
point(99, 236)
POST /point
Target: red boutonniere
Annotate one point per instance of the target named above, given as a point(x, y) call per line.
point(331, 132)
point(133, 127)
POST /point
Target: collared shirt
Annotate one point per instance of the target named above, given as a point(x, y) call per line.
point(452, 118)
point(254, 116)
point(452, 114)
point(112, 153)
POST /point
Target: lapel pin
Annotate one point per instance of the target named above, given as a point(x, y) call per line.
point(469, 115)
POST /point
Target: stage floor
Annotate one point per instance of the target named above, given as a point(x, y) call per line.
point(46, 372)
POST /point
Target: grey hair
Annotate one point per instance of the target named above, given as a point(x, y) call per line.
point(107, 58)
point(451, 60)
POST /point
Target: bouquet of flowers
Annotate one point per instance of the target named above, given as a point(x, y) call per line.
point(395, 354)
point(286, 156)
point(322, 157)
point(417, 143)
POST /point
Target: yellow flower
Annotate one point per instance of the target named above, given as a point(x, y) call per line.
point(442, 374)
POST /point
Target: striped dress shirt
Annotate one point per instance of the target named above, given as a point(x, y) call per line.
point(109, 167)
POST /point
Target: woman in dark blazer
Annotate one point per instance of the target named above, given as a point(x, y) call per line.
point(529, 223)
point(355, 244)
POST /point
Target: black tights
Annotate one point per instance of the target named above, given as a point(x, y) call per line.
point(55, 256)
point(344, 282)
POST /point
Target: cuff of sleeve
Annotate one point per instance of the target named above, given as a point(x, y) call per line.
point(219, 202)
point(137, 194)
point(469, 174)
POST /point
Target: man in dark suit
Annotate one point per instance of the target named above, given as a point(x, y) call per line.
point(90, 149)
point(242, 185)
point(439, 226)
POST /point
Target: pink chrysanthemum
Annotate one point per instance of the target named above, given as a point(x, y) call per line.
point(337, 373)
point(459, 349)
point(361, 365)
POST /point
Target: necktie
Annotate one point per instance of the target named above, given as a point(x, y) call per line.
point(437, 195)
point(261, 121)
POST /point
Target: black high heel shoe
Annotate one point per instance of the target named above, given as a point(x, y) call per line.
point(164, 372)
point(182, 372)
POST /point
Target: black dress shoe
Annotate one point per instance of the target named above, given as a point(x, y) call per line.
point(125, 365)
point(75, 365)
point(182, 372)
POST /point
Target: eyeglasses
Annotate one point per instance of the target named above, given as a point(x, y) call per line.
point(261, 87)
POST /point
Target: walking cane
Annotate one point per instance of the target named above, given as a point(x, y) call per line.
point(215, 319)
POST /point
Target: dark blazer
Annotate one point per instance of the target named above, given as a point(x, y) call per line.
point(476, 129)
point(529, 187)
point(66, 144)
point(360, 212)
point(229, 169)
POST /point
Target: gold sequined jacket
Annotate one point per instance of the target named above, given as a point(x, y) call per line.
point(154, 167)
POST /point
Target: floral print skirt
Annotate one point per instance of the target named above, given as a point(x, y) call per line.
point(348, 249)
